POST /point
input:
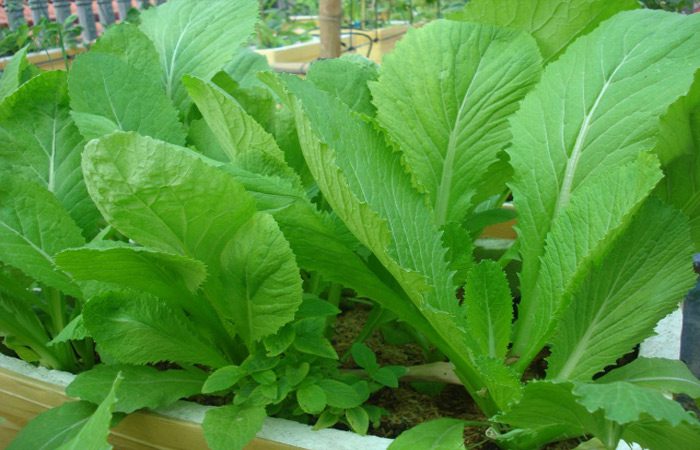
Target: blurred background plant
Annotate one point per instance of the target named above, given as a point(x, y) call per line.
point(43, 36)
point(670, 5)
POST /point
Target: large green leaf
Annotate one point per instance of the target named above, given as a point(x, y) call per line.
point(38, 136)
point(93, 435)
point(117, 86)
point(641, 279)
point(128, 43)
point(162, 274)
point(546, 413)
point(108, 94)
point(654, 434)
point(244, 141)
point(245, 66)
point(678, 148)
point(196, 38)
point(33, 228)
point(165, 197)
point(49, 430)
point(319, 244)
point(348, 80)
point(232, 427)
point(439, 434)
point(16, 72)
point(624, 403)
point(665, 375)
point(260, 280)
point(554, 23)
point(365, 183)
point(445, 95)
point(488, 309)
point(576, 147)
point(141, 387)
point(136, 329)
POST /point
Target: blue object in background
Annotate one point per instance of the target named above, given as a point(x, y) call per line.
point(690, 337)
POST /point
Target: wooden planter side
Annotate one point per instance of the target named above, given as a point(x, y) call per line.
point(47, 60)
point(22, 398)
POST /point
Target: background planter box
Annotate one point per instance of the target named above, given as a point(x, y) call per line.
point(283, 58)
point(305, 52)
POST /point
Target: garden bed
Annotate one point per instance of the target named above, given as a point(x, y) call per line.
point(26, 391)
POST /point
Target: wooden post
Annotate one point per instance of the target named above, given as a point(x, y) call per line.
point(106, 12)
point(62, 8)
point(330, 14)
point(123, 6)
point(40, 8)
point(86, 17)
point(15, 13)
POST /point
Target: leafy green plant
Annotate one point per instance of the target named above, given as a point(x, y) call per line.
point(603, 259)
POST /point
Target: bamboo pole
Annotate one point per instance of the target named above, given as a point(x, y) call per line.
point(330, 16)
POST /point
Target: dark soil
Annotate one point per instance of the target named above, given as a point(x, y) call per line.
point(406, 406)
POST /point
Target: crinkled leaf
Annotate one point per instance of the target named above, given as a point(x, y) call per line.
point(260, 280)
point(554, 23)
point(488, 307)
point(450, 115)
point(438, 434)
point(162, 274)
point(243, 140)
point(165, 197)
point(196, 38)
point(128, 43)
point(108, 94)
point(547, 412)
point(34, 227)
point(318, 243)
point(640, 280)
point(624, 403)
point(141, 387)
point(574, 137)
point(232, 427)
point(136, 329)
point(665, 375)
point(38, 136)
point(347, 80)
